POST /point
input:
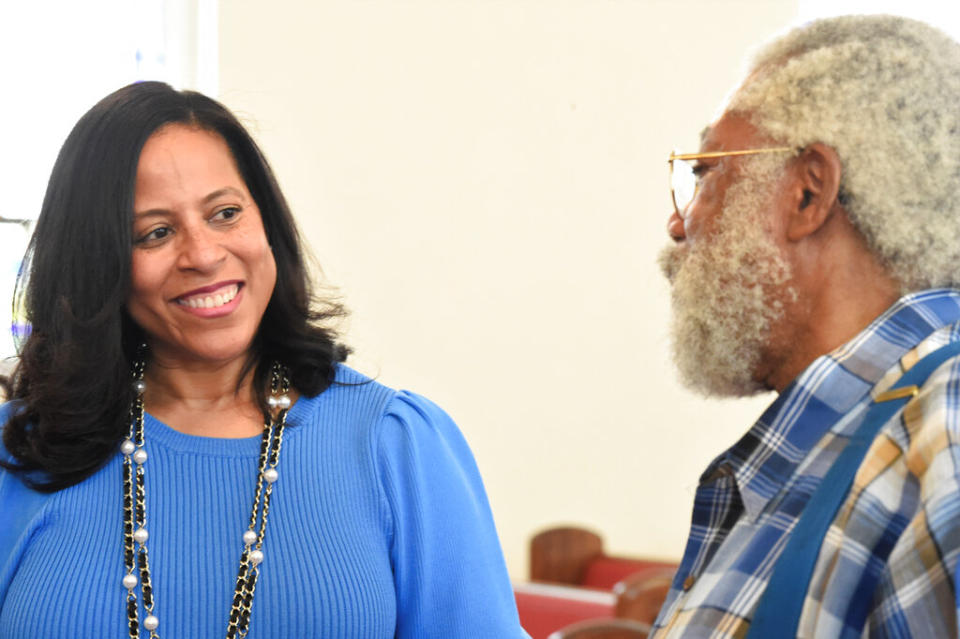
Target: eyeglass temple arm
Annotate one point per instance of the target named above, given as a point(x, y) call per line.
point(720, 154)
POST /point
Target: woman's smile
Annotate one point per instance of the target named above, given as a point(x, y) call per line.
point(212, 298)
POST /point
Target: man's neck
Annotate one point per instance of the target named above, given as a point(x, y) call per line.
point(841, 288)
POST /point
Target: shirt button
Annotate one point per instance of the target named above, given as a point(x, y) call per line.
point(688, 582)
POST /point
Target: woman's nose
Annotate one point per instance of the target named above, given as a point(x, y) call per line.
point(200, 250)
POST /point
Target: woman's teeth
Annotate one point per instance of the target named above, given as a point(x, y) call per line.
point(220, 298)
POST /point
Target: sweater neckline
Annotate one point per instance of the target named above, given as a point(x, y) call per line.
point(158, 432)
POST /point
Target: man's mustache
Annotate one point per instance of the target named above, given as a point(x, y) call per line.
point(670, 260)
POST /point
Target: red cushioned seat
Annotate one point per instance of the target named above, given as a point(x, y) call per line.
point(604, 572)
point(545, 608)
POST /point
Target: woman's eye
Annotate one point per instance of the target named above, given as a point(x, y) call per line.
point(154, 236)
point(226, 214)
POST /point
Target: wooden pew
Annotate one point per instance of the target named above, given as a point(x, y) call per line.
point(589, 613)
point(603, 629)
point(640, 595)
point(569, 572)
point(546, 608)
point(575, 556)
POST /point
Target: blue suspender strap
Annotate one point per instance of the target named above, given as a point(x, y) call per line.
point(778, 612)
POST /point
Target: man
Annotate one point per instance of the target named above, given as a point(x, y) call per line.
point(823, 262)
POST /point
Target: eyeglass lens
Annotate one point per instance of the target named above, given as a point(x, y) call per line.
point(684, 184)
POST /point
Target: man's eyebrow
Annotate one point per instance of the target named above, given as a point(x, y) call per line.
point(704, 134)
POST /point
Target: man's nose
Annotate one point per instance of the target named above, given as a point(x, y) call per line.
point(675, 227)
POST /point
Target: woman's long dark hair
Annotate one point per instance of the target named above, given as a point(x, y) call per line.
point(73, 381)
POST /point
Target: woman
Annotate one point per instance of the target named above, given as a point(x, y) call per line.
point(185, 453)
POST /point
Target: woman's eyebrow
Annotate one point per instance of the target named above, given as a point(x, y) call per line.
point(227, 190)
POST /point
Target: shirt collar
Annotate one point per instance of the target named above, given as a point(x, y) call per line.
point(828, 389)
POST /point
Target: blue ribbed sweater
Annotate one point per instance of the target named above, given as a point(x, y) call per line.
point(379, 527)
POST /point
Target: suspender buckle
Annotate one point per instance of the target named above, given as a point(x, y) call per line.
point(897, 393)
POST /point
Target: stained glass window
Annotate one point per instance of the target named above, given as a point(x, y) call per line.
point(59, 58)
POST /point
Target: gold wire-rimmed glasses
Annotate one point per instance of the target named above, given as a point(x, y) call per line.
point(684, 182)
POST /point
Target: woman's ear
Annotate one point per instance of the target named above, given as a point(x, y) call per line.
point(816, 183)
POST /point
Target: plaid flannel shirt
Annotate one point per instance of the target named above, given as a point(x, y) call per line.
point(901, 519)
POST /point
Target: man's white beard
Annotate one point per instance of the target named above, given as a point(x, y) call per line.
point(726, 289)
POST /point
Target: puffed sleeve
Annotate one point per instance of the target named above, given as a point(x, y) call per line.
point(449, 572)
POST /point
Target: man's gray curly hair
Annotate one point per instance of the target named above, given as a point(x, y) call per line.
point(884, 92)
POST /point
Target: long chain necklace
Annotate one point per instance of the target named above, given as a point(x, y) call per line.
point(135, 556)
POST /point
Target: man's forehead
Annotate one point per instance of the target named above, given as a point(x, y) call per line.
point(731, 131)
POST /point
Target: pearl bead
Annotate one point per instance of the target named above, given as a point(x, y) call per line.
point(283, 402)
point(139, 386)
point(256, 556)
point(151, 622)
point(272, 402)
point(271, 475)
point(130, 582)
point(249, 538)
point(140, 456)
point(140, 535)
point(127, 447)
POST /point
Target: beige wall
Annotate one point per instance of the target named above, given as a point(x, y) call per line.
point(486, 183)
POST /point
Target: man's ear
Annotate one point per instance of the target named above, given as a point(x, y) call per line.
point(814, 189)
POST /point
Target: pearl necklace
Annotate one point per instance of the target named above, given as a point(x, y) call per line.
point(135, 556)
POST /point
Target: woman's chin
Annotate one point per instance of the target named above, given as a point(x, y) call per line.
point(200, 354)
